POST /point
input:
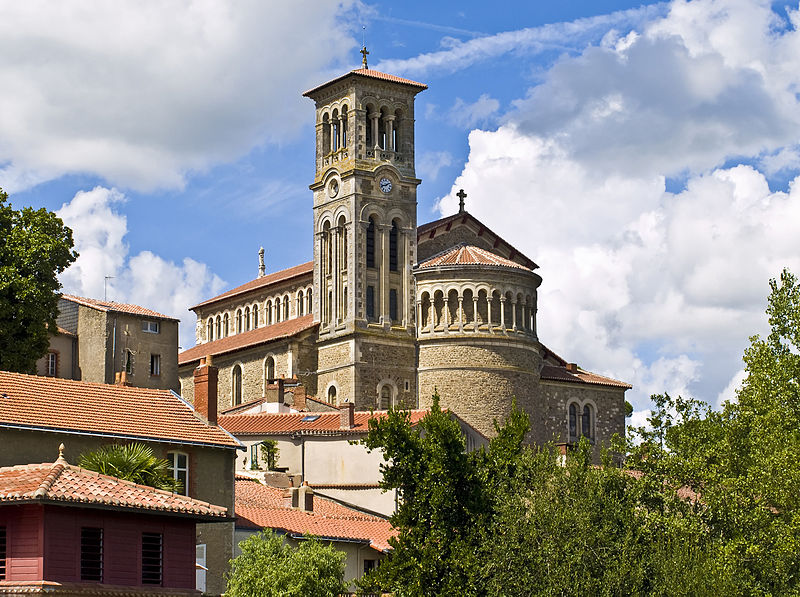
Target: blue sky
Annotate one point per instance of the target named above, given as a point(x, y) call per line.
point(642, 154)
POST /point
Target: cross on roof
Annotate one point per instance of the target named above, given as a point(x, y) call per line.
point(461, 196)
point(364, 53)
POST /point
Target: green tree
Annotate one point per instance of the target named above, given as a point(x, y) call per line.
point(268, 567)
point(35, 246)
point(270, 453)
point(132, 462)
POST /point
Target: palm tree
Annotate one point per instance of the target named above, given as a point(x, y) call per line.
point(132, 462)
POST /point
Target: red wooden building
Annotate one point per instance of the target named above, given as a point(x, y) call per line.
point(68, 531)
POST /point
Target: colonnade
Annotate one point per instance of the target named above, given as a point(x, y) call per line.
point(470, 309)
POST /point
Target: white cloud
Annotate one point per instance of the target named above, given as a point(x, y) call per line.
point(142, 92)
point(459, 55)
point(430, 163)
point(477, 113)
point(144, 279)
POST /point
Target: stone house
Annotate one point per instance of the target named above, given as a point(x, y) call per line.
point(39, 413)
point(316, 448)
point(98, 339)
point(68, 531)
point(295, 512)
point(389, 311)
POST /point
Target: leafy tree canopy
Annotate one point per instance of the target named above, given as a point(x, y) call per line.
point(35, 246)
point(268, 567)
point(132, 462)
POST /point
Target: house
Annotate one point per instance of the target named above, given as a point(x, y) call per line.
point(39, 413)
point(297, 511)
point(390, 310)
point(68, 531)
point(317, 448)
point(97, 339)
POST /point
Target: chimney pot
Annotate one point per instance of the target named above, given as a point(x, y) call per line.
point(305, 498)
point(572, 367)
point(347, 415)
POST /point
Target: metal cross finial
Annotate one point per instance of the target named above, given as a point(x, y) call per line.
point(461, 196)
point(364, 53)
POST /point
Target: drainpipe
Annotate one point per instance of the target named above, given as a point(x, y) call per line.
point(114, 350)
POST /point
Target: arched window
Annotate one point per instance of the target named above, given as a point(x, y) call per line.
point(386, 397)
point(299, 305)
point(218, 333)
point(268, 310)
point(277, 310)
point(237, 384)
point(246, 319)
point(308, 301)
point(371, 243)
point(586, 422)
point(393, 237)
point(344, 126)
point(210, 329)
point(255, 316)
point(239, 321)
point(335, 130)
point(225, 325)
point(573, 422)
point(326, 134)
point(332, 395)
point(269, 370)
point(286, 307)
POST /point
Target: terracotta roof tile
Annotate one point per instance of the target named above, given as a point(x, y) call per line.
point(315, 423)
point(555, 373)
point(54, 404)
point(262, 335)
point(115, 307)
point(371, 74)
point(62, 482)
point(464, 254)
point(261, 282)
point(432, 228)
point(262, 506)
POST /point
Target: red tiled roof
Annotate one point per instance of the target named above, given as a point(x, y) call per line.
point(61, 482)
point(261, 506)
point(64, 405)
point(115, 307)
point(371, 74)
point(288, 423)
point(64, 332)
point(432, 228)
point(464, 254)
point(555, 373)
point(273, 278)
point(262, 335)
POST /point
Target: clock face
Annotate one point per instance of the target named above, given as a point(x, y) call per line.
point(386, 185)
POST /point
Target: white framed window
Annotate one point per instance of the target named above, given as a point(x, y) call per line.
point(179, 469)
point(151, 327)
point(155, 365)
point(52, 364)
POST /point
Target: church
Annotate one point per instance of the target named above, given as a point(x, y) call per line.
point(390, 311)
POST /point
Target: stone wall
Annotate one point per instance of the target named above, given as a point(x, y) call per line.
point(478, 378)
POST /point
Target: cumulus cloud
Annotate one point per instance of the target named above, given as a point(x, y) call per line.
point(144, 279)
point(477, 113)
point(431, 162)
point(143, 92)
point(660, 289)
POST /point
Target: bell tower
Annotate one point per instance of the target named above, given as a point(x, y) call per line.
point(365, 222)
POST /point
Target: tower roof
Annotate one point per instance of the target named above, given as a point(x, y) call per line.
point(464, 254)
point(370, 74)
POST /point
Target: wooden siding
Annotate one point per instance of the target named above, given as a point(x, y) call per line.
point(24, 541)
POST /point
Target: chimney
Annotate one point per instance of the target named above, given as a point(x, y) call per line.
point(121, 378)
point(262, 268)
point(299, 402)
point(347, 415)
point(281, 390)
point(572, 367)
point(305, 497)
point(205, 390)
point(290, 497)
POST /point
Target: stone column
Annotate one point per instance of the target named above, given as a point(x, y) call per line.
point(389, 136)
point(489, 311)
point(374, 118)
point(460, 313)
point(384, 273)
point(334, 248)
point(503, 313)
point(514, 314)
point(475, 311)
